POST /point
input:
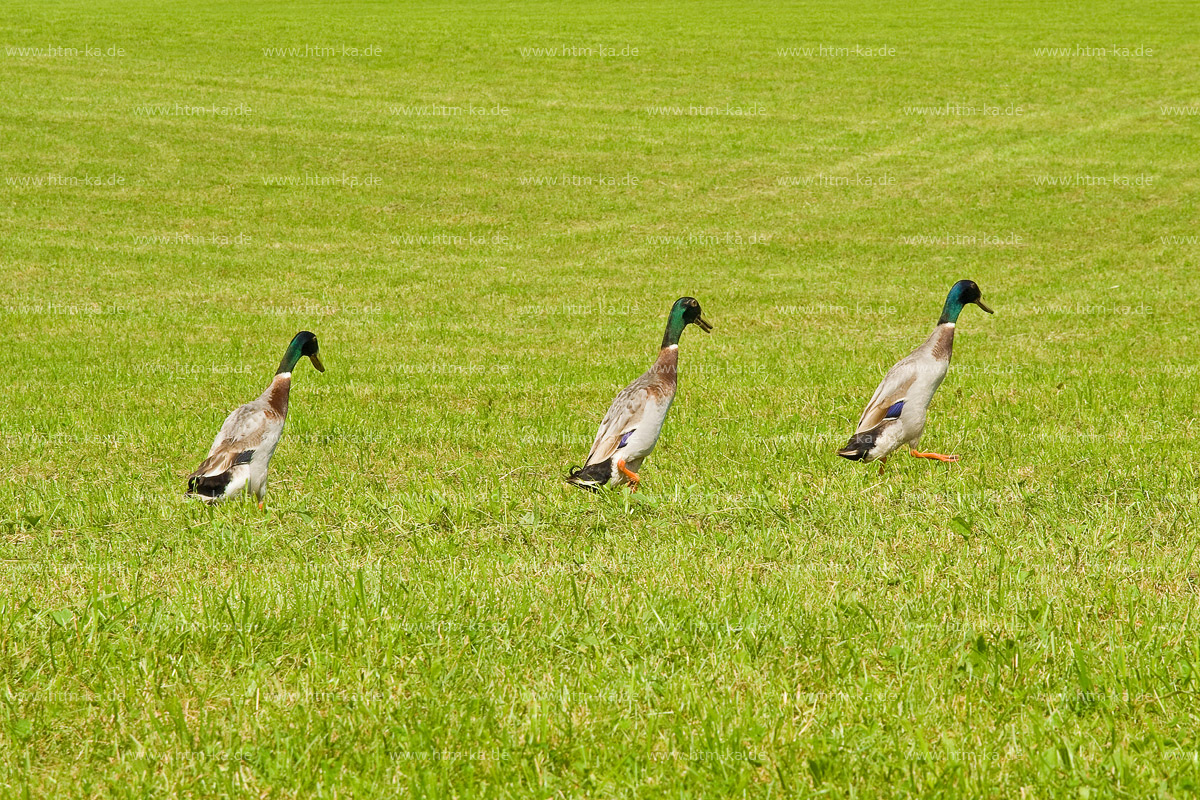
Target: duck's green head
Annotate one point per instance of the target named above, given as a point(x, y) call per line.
point(961, 294)
point(686, 311)
point(303, 344)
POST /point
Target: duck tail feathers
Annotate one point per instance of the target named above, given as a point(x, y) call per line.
point(209, 487)
point(859, 446)
point(591, 477)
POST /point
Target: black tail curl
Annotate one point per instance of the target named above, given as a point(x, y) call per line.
point(209, 485)
point(859, 446)
point(591, 477)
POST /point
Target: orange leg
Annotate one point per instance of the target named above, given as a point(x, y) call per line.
point(882, 461)
point(934, 456)
point(634, 478)
point(262, 505)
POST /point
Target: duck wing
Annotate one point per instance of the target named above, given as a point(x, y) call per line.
point(892, 391)
point(623, 417)
point(244, 430)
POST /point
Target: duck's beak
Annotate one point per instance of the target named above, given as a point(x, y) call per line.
point(317, 362)
point(704, 324)
point(981, 305)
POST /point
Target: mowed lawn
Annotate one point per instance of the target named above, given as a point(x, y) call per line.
point(484, 213)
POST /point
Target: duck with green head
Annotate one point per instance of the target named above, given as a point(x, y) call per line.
point(895, 416)
point(242, 451)
point(631, 427)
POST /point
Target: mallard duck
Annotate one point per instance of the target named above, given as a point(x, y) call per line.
point(243, 448)
point(895, 416)
point(630, 429)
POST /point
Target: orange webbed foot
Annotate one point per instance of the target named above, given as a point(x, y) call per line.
point(935, 456)
point(635, 480)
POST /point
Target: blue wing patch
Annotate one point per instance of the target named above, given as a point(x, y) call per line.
point(894, 411)
point(625, 439)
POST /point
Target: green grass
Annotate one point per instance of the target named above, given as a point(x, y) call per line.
point(426, 608)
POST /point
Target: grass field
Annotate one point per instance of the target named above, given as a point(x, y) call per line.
point(485, 213)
